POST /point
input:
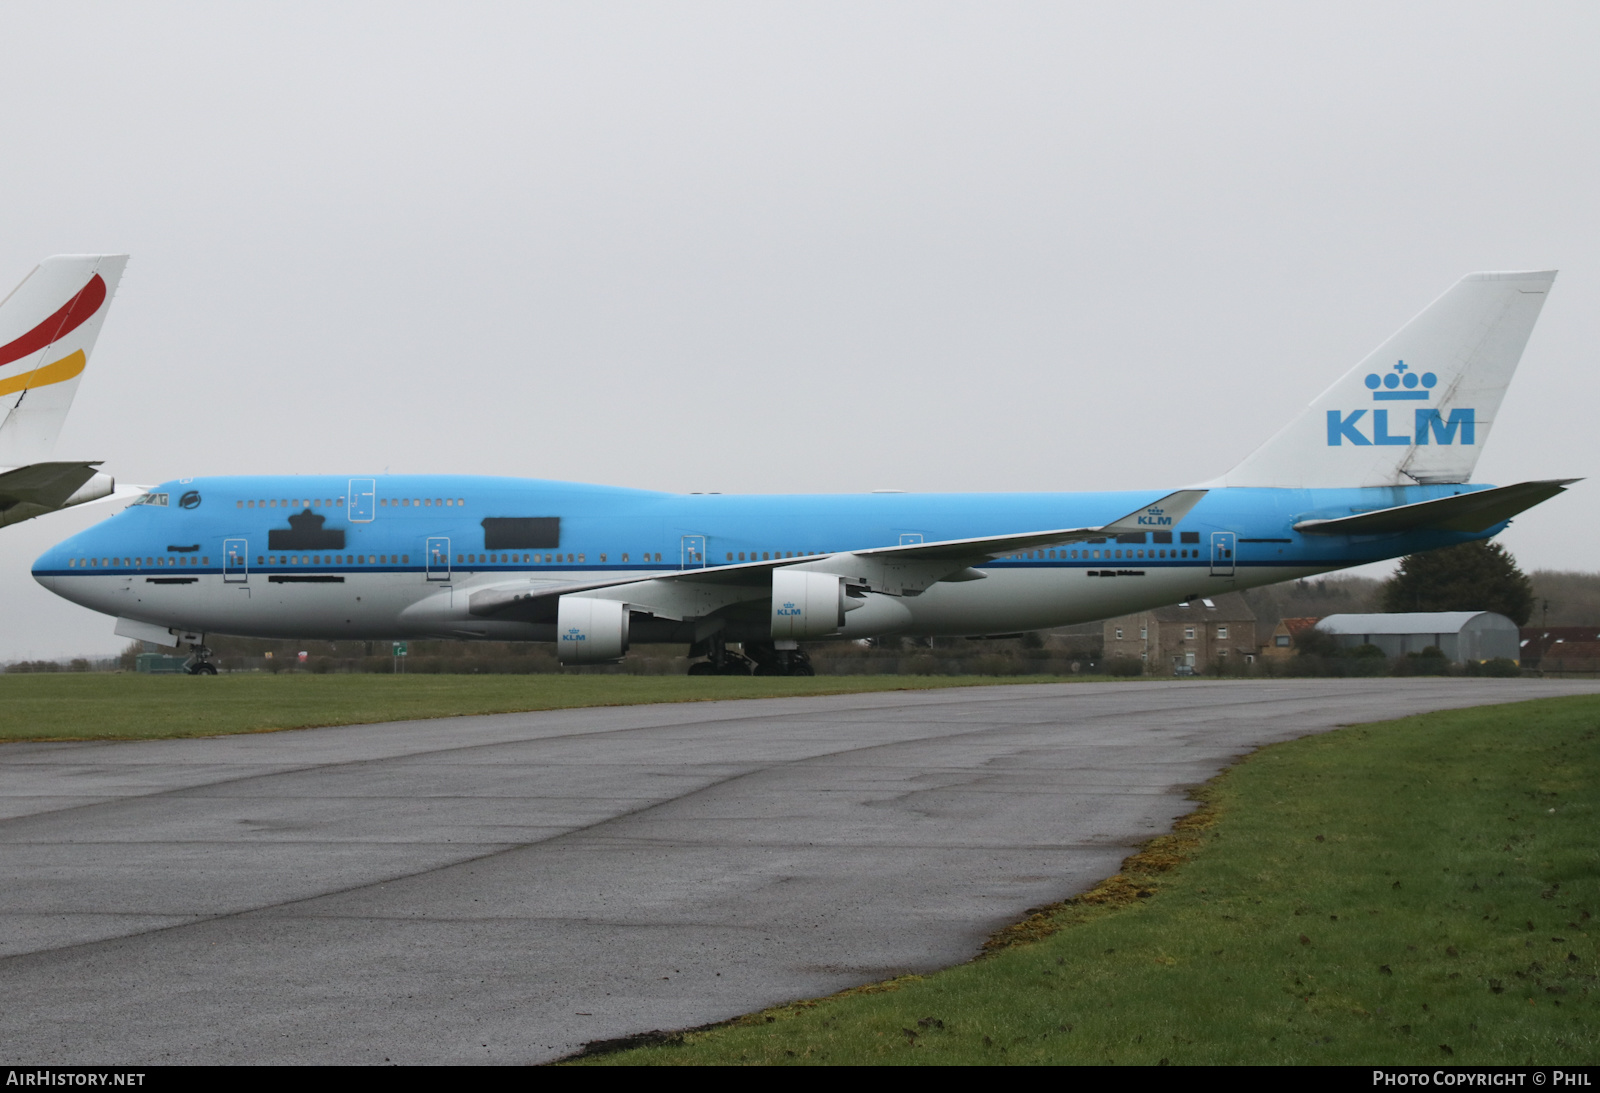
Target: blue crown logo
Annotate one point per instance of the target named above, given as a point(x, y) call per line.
point(1402, 384)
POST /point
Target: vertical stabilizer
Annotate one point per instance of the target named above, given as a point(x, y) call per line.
point(48, 327)
point(1419, 408)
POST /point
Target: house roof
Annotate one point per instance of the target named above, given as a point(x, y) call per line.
point(1227, 607)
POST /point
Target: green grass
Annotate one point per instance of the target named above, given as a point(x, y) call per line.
point(1417, 891)
point(85, 706)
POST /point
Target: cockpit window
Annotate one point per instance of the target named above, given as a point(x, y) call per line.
point(152, 499)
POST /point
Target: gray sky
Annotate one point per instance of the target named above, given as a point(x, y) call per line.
point(785, 248)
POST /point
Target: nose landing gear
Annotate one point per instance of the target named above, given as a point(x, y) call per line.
point(199, 662)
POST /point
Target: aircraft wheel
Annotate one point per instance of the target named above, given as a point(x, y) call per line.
point(735, 668)
point(203, 669)
point(769, 670)
point(702, 668)
point(800, 669)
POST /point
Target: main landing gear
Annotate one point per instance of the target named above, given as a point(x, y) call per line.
point(199, 662)
point(721, 662)
point(773, 661)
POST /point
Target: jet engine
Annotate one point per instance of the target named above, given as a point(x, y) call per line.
point(590, 631)
point(806, 604)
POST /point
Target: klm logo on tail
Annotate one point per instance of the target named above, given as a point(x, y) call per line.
point(1402, 384)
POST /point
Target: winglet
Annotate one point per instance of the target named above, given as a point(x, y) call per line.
point(1164, 513)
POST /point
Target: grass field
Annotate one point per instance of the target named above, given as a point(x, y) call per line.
point(96, 706)
point(1418, 891)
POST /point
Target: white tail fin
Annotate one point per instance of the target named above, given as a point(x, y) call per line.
point(48, 327)
point(1420, 407)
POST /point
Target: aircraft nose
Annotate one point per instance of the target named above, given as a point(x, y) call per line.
point(42, 571)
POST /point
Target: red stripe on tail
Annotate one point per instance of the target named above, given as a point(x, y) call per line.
point(73, 314)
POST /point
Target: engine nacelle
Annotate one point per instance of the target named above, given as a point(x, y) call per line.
point(100, 485)
point(806, 604)
point(590, 631)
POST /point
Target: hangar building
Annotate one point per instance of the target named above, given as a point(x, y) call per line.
point(1460, 635)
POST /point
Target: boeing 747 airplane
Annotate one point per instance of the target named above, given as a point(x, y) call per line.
point(48, 327)
point(1377, 467)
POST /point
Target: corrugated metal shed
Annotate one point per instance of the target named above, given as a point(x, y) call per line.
point(1460, 635)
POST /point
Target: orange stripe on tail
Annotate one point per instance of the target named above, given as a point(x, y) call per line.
point(62, 370)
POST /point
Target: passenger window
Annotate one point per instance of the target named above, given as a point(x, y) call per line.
point(624, 556)
point(461, 500)
point(602, 558)
point(405, 559)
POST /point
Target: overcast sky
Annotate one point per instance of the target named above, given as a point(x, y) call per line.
point(786, 247)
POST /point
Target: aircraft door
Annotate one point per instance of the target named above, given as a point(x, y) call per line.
point(439, 558)
point(363, 500)
point(235, 561)
point(1222, 548)
point(693, 552)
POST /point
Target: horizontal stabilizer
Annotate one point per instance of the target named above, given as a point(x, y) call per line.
point(1470, 512)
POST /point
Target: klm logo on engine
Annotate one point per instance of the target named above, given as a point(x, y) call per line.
point(574, 635)
point(1152, 518)
point(1428, 424)
point(789, 610)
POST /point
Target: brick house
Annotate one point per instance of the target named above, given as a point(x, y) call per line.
point(1186, 637)
point(1281, 642)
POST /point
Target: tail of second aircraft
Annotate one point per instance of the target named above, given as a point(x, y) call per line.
point(1419, 408)
point(48, 327)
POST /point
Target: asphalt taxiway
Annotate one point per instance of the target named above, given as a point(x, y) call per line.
point(507, 888)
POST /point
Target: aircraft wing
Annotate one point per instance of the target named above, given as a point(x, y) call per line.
point(47, 484)
point(1473, 512)
point(26, 492)
point(1164, 513)
point(904, 569)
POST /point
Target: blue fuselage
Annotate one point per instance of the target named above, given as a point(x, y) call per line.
point(327, 557)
